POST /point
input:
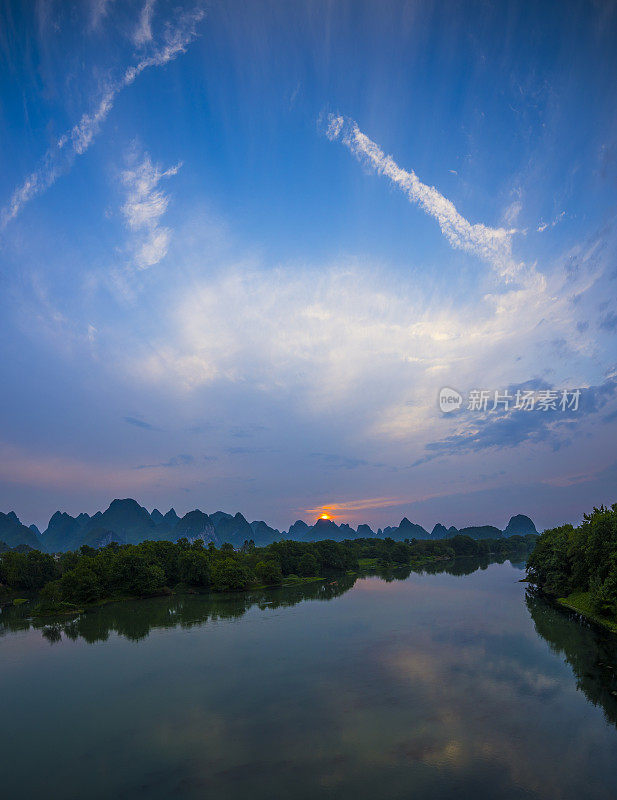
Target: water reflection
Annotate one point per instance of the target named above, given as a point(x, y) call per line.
point(424, 683)
point(136, 619)
point(590, 651)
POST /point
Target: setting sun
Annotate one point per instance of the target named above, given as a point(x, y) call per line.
point(325, 516)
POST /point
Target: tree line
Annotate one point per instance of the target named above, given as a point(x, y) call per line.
point(157, 567)
point(569, 560)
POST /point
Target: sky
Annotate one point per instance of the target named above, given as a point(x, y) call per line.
point(244, 246)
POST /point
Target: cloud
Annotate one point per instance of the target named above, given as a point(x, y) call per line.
point(512, 212)
point(478, 432)
point(181, 460)
point(326, 337)
point(334, 461)
point(609, 321)
point(145, 205)
point(140, 423)
point(325, 331)
point(244, 451)
point(495, 432)
point(98, 11)
point(22, 467)
point(543, 226)
point(356, 505)
point(60, 157)
point(245, 432)
point(143, 32)
point(493, 245)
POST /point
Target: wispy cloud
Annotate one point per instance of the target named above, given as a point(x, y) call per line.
point(355, 505)
point(182, 460)
point(140, 423)
point(609, 321)
point(335, 461)
point(19, 466)
point(143, 32)
point(494, 245)
point(98, 11)
point(145, 205)
point(60, 157)
point(512, 212)
point(543, 226)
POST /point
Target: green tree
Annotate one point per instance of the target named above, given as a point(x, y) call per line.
point(194, 567)
point(268, 572)
point(80, 585)
point(134, 574)
point(307, 566)
point(229, 574)
point(29, 571)
point(51, 594)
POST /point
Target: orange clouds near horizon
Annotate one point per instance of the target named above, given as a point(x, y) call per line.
point(328, 510)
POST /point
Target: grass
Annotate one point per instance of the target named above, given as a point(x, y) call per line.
point(366, 563)
point(581, 603)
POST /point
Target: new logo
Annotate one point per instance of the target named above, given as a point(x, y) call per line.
point(449, 400)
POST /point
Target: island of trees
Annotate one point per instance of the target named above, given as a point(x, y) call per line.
point(90, 575)
point(577, 566)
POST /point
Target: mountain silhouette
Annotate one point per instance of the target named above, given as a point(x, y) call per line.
point(519, 525)
point(127, 522)
point(195, 525)
point(13, 533)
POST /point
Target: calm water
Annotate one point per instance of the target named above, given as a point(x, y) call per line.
point(430, 686)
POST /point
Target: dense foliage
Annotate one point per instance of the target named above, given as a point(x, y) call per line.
point(568, 560)
point(89, 575)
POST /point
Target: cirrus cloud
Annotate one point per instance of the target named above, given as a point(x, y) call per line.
point(491, 244)
point(60, 157)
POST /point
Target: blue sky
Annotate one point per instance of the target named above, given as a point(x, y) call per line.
point(244, 246)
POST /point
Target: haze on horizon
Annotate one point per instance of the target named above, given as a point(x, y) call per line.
point(243, 248)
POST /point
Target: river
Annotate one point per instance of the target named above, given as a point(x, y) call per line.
point(443, 684)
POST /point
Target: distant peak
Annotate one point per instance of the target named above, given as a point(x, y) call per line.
point(520, 524)
point(127, 502)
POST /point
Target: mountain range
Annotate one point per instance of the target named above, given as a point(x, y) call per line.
point(126, 522)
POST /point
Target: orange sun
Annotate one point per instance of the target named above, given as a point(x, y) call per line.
point(325, 516)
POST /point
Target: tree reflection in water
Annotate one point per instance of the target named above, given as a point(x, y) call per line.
point(589, 650)
point(134, 619)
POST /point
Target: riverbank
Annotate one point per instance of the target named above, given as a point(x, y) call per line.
point(576, 567)
point(581, 602)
